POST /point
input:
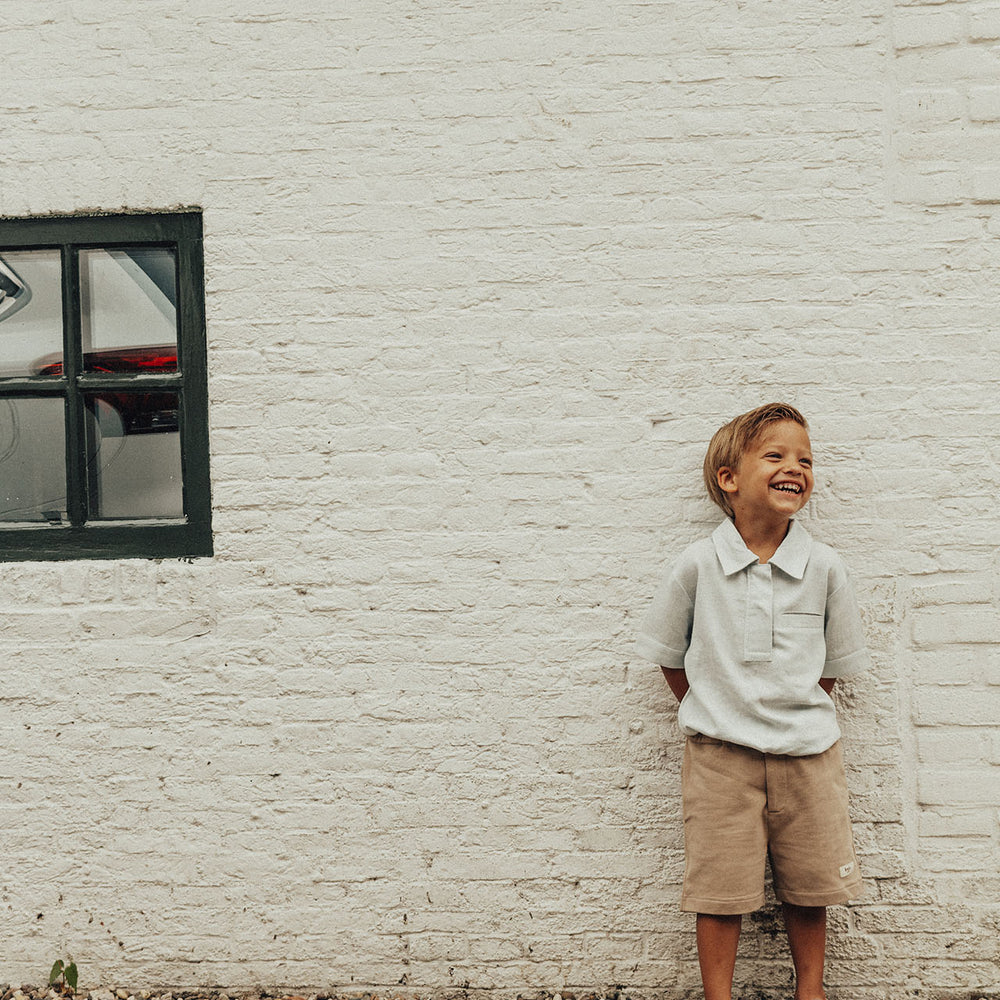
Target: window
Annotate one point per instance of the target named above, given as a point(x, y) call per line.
point(103, 391)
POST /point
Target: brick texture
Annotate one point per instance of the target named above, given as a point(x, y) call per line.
point(944, 126)
point(482, 279)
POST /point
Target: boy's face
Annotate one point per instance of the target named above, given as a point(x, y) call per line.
point(775, 474)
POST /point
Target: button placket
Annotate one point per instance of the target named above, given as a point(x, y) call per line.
point(760, 613)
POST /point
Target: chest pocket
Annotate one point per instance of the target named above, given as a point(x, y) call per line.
point(802, 619)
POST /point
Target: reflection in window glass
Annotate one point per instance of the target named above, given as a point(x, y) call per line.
point(32, 460)
point(30, 309)
point(134, 439)
point(128, 299)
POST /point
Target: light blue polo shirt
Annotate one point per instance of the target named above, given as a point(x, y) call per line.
point(755, 639)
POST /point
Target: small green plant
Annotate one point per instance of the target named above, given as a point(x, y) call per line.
point(64, 977)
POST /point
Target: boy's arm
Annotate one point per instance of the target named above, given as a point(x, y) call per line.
point(665, 632)
point(845, 635)
point(678, 681)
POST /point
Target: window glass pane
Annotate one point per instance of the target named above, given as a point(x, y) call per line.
point(32, 460)
point(30, 310)
point(128, 309)
point(135, 471)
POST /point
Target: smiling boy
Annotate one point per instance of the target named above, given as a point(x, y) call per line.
point(751, 628)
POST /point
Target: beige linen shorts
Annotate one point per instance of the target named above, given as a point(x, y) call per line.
point(741, 806)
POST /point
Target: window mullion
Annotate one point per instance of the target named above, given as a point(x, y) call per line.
point(191, 348)
point(76, 444)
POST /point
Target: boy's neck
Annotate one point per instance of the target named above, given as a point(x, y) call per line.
point(761, 536)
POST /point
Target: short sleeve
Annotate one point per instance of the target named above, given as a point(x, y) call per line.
point(665, 632)
point(845, 637)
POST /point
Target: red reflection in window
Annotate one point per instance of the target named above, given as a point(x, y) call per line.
point(116, 360)
point(140, 412)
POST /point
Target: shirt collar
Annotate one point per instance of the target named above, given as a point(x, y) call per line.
point(791, 557)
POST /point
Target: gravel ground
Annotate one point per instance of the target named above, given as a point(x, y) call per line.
point(28, 992)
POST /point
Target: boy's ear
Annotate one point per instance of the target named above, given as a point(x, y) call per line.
point(726, 478)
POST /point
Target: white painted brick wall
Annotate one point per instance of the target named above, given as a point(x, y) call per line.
point(943, 128)
point(481, 281)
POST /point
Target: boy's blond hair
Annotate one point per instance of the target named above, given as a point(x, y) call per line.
point(730, 442)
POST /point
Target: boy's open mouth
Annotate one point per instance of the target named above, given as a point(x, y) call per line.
point(787, 487)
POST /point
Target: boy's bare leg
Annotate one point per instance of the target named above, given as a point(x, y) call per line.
point(806, 926)
point(718, 939)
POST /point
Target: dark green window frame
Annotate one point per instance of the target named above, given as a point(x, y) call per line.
point(83, 537)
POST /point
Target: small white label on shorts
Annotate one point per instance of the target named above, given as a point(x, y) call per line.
point(846, 870)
